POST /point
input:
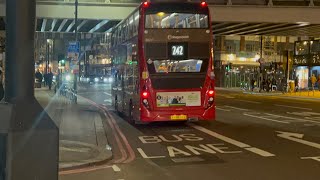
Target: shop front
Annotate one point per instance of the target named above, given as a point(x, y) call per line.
point(306, 62)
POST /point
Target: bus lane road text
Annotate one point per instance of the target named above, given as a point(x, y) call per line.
point(185, 148)
point(183, 145)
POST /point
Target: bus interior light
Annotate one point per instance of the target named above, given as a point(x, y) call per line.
point(203, 4)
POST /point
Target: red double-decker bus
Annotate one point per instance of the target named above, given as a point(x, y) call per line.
point(162, 62)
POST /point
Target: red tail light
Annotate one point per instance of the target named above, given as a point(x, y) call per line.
point(145, 94)
point(203, 4)
point(211, 93)
point(146, 4)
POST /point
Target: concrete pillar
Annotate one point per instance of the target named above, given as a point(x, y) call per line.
point(20, 50)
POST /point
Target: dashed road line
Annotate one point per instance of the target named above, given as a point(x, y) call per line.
point(116, 168)
point(254, 102)
point(232, 141)
point(267, 119)
point(292, 118)
point(222, 109)
point(294, 107)
point(241, 109)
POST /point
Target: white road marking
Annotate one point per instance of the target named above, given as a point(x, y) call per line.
point(241, 109)
point(297, 138)
point(107, 100)
point(222, 109)
point(280, 105)
point(232, 141)
point(292, 118)
point(254, 102)
point(267, 119)
point(316, 158)
point(145, 156)
point(116, 168)
point(260, 152)
point(107, 93)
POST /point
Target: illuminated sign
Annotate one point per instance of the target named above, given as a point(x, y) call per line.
point(178, 50)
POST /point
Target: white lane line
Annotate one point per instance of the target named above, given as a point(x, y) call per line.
point(116, 168)
point(226, 96)
point(107, 93)
point(107, 100)
point(280, 105)
point(222, 109)
point(241, 109)
point(232, 141)
point(267, 119)
point(254, 102)
point(260, 152)
point(292, 118)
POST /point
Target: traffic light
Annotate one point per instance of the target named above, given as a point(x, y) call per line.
point(228, 66)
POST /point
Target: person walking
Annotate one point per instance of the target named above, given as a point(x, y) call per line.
point(39, 78)
point(296, 83)
point(252, 84)
point(318, 82)
point(313, 81)
point(49, 79)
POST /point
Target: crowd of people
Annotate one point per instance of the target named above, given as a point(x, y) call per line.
point(271, 84)
point(46, 79)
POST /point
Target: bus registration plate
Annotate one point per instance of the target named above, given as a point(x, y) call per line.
point(178, 117)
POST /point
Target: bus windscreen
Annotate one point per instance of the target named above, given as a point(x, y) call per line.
point(162, 20)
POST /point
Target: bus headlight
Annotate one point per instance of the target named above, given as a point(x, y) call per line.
point(105, 80)
point(96, 79)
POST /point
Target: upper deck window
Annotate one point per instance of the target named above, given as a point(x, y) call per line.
point(176, 20)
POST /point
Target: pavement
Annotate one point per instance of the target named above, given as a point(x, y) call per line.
point(253, 137)
point(83, 140)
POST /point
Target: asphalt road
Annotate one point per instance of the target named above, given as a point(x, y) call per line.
point(253, 137)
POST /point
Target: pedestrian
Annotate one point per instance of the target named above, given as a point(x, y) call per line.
point(264, 84)
point(313, 81)
point(45, 78)
point(296, 83)
point(268, 84)
point(1, 86)
point(273, 83)
point(49, 79)
point(39, 78)
point(318, 82)
point(252, 84)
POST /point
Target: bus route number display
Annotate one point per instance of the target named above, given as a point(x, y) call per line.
point(178, 50)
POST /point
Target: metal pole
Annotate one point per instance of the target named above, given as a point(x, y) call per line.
point(76, 38)
point(287, 70)
point(261, 71)
point(20, 50)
